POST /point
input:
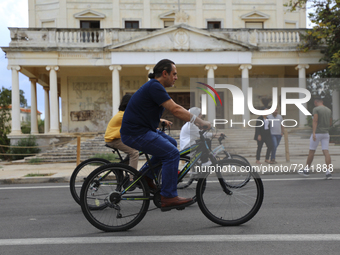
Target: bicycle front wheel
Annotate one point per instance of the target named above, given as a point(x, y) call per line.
point(226, 197)
point(121, 204)
point(81, 172)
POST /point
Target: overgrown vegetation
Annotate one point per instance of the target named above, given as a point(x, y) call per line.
point(334, 132)
point(38, 174)
point(325, 33)
point(108, 156)
point(5, 118)
point(35, 160)
point(25, 146)
point(26, 127)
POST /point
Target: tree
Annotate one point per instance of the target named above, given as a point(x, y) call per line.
point(6, 97)
point(24, 147)
point(325, 34)
point(5, 116)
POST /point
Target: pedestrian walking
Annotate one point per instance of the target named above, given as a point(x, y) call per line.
point(322, 121)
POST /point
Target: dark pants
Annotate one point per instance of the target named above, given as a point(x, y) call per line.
point(268, 141)
point(163, 148)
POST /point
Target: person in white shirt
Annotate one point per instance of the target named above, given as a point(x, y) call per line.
point(277, 131)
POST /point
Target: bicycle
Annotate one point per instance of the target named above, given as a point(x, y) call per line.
point(185, 187)
point(228, 198)
point(86, 167)
point(80, 173)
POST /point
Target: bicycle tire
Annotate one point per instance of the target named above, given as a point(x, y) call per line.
point(248, 176)
point(238, 157)
point(123, 208)
point(230, 209)
point(81, 172)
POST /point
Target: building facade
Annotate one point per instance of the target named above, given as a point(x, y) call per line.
point(91, 53)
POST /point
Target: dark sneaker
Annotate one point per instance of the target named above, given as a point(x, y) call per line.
point(303, 173)
point(329, 177)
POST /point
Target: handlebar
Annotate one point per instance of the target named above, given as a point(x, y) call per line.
point(222, 137)
point(201, 132)
point(163, 124)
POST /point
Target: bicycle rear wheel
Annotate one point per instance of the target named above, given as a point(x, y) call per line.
point(226, 197)
point(246, 176)
point(238, 157)
point(81, 172)
point(121, 206)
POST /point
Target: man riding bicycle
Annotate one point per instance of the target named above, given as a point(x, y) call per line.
point(139, 129)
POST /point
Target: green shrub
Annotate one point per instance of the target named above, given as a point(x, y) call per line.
point(4, 149)
point(108, 156)
point(24, 146)
point(309, 121)
point(335, 130)
point(26, 128)
point(35, 160)
point(41, 126)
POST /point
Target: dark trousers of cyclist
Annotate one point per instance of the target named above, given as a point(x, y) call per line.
point(268, 141)
point(161, 147)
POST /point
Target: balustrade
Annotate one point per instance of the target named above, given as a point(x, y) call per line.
point(56, 37)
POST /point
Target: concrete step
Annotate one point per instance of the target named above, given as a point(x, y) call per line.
point(239, 141)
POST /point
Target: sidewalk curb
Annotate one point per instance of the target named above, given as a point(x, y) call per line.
point(32, 180)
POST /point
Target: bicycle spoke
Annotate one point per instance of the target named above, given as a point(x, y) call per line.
point(80, 174)
point(105, 204)
point(236, 205)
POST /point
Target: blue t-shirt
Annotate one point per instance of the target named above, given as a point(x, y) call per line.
point(144, 109)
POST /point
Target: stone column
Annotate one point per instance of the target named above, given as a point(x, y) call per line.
point(302, 84)
point(211, 81)
point(34, 119)
point(115, 88)
point(149, 68)
point(47, 111)
point(54, 121)
point(336, 105)
point(16, 128)
point(245, 85)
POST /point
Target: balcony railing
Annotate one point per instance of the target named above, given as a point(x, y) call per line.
point(78, 37)
point(57, 37)
point(278, 36)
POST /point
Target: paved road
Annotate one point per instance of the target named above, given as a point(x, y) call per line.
point(298, 216)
